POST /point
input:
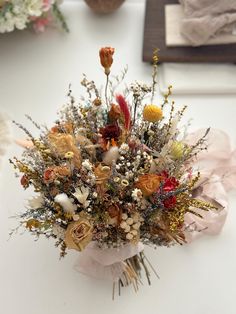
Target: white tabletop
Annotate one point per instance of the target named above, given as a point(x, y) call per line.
point(35, 71)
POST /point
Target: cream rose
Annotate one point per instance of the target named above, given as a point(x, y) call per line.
point(78, 234)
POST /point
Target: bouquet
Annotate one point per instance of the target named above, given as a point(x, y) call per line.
point(19, 14)
point(115, 173)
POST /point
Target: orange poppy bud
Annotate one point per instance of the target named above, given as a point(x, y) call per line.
point(106, 58)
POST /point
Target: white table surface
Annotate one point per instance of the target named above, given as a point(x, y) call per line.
point(35, 71)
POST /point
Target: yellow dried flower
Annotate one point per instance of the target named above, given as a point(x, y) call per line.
point(124, 182)
point(177, 149)
point(33, 223)
point(69, 155)
point(152, 113)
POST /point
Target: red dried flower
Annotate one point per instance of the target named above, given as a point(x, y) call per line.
point(125, 110)
point(111, 131)
point(170, 202)
point(170, 184)
point(24, 181)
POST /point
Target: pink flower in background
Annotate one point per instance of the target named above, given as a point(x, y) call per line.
point(40, 24)
point(33, 13)
point(47, 4)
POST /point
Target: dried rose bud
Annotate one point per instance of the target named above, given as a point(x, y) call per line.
point(49, 175)
point(106, 58)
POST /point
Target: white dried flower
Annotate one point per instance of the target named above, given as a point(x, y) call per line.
point(81, 194)
point(123, 225)
point(137, 194)
point(35, 202)
point(151, 132)
point(129, 236)
point(127, 229)
point(124, 216)
point(87, 165)
point(134, 232)
point(124, 148)
point(129, 221)
point(95, 194)
point(136, 226)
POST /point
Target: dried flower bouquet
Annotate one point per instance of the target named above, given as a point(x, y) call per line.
point(113, 174)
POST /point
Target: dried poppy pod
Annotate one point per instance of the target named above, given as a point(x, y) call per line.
point(104, 6)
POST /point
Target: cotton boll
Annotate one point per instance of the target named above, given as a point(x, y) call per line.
point(111, 156)
point(66, 203)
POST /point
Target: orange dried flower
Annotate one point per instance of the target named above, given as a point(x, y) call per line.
point(102, 173)
point(63, 128)
point(63, 143)
point(62, 171)
point(52, 173)
point(114, 212)
point(106, 59)
point(114, 112)
point(49, 175)
point(148, 183)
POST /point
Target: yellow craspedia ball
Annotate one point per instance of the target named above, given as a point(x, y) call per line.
point(152, 113)
point(177, 149)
